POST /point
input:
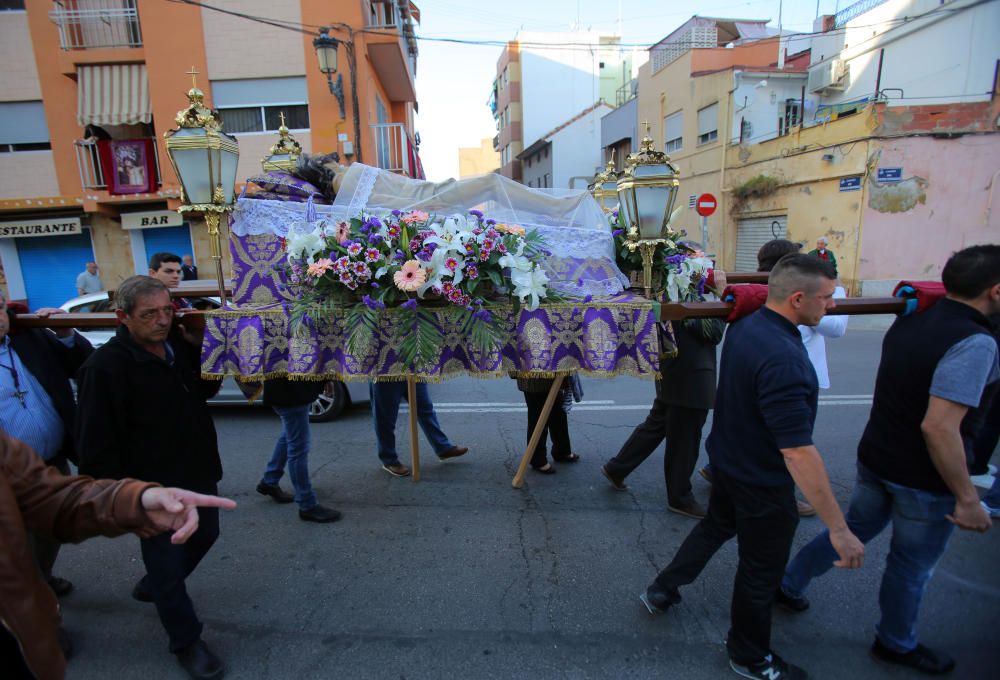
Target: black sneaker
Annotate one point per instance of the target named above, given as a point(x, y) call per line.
point(919, 658)
point(773, 667)
point(140, 593)
point(790, 602)
point(319, 513)
point(657, 601)
point(200, 663)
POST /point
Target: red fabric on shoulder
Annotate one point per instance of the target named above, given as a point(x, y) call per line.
point(927, 293)
point(747, 298)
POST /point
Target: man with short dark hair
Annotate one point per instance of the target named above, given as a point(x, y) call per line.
point(760, 447)
point(166, 267)
point(938, 371)
point(143, 415)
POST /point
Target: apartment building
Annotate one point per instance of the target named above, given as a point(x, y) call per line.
point(545, 79)
point(90, 86)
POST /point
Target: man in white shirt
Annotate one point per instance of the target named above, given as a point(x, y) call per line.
point(89, 280)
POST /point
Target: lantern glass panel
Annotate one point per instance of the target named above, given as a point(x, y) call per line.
point(327, 56)
point(227, 177)
point(652, 203)
point(192, 165)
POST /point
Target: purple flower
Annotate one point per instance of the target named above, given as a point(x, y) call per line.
point(409, 304)
point(423, 256)
point(431, 247)
point(618, 232)
point(614, 214)
point(483, 315)
point(588, 298)
point(375, 239)
point(371, 304)
point(491, 222)
point(397, 213)
point(375, 285)
point(399, 256)
point(477, 213)
point(373, 223)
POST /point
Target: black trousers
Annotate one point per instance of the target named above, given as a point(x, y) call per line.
point(763, 519)
point(168, 565)
point(681, 427)
point(556, 428)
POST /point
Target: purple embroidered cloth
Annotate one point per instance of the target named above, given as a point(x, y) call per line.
point(610, 337)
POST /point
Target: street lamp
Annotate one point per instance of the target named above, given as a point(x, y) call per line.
point(326, 52)
point(605, 187)
point(647, 190)
point(204, 159)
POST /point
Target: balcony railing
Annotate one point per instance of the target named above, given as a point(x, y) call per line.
point(87, 24)
point(854, 11)
point(395, 151)
point(93, 173)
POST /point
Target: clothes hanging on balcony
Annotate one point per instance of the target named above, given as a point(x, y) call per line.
point(128, 165)
point(113, 94)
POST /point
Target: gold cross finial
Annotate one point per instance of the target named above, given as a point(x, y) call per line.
point(193, 73)
point(282, 116)
point(645, 124)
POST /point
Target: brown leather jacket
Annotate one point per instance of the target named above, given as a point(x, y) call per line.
point(36, 497)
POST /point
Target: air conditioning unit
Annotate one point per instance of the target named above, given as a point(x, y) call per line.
point(830, 75)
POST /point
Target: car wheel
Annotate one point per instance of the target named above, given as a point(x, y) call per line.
point(330, 403)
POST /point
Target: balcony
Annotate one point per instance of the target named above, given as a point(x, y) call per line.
point(94, 24)
point(395, 150)
point(120, 167)
point(392, 46)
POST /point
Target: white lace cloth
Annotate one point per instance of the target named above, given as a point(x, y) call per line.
point(572, 224)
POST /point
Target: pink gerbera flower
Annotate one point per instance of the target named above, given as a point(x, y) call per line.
point(415, 216)
point(410, 276)
point(320, 267)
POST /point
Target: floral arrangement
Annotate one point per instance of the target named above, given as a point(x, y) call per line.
point(408, 262)
point(681, 271)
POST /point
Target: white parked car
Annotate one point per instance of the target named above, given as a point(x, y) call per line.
point(335, 397)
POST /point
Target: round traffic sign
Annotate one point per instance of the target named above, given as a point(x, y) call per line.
point(705, 205)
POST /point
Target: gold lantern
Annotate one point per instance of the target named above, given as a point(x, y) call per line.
point(204, 159)
point(284, 154)
point(605, 187)
point(647, 190)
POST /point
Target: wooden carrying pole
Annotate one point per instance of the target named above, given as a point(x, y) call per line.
point(536, 434)
point(411, 398)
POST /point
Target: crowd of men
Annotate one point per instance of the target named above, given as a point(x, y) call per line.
point(141, 392)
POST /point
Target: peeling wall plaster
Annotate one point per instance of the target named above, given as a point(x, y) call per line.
point(898, 196)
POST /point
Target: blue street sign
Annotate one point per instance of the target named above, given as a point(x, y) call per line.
point(850, 183)
point(890, 175)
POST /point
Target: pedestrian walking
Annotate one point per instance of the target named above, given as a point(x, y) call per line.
point(760, 447)
point(937, 373)
point(89, 280)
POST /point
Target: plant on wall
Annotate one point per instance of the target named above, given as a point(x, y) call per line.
point(757, 186)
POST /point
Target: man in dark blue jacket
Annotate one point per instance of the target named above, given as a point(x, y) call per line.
point(143, 415)
point(760, 447)
point(938, 371)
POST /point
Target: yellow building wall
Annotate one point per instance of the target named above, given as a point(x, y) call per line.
point(479, 160)
point(809, 187)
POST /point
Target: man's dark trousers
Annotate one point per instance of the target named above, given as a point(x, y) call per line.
point(763, 519)
point(682, 427)
point(168, 565)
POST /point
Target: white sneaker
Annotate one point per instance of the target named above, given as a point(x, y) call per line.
point(984, 481)
point(990, 510)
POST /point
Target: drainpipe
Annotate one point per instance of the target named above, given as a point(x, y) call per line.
point(722, 170)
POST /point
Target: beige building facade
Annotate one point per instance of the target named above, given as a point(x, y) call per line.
point(478, 160)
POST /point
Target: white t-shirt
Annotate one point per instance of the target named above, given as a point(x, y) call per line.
point(813, 337)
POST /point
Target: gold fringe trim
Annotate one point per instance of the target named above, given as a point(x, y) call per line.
point(430, 379)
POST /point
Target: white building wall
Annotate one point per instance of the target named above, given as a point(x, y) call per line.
point(576, 150)
point(556, 83)
point(948, 56)
point(760, 99)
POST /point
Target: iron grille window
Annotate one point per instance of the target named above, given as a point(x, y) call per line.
point(264, 118)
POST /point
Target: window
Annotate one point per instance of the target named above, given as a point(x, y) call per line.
point(24, 127)
point(256, 104)
point(792, 117)
point(547, 180)
point(506, 74)
point(708, 124)
point(673, 132)
point(529, 161)
point(11, 4)
point(264, 118)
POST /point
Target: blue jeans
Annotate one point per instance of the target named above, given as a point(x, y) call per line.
point(992, 497)
point(292, 448)
point(385, 399)
point(920, 535)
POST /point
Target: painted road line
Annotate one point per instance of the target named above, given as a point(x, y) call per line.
point(510, 408)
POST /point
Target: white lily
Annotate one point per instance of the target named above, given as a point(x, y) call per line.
point(529, 286)
point(304, 245)
point(515, 263)
point(451, 235)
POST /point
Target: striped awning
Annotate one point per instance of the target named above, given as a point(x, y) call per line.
point(113, 94)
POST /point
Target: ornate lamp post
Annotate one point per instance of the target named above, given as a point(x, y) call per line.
point(605, 187)
point(326, 47)
point(647, 190)
point(204, 159)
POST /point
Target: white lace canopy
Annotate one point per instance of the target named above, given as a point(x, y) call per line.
point(571, 222)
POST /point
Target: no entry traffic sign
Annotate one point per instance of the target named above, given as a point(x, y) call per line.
point(705, 205)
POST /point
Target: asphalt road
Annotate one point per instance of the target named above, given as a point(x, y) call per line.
point(461, 576)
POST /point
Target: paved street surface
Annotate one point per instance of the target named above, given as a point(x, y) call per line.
point(461, 576)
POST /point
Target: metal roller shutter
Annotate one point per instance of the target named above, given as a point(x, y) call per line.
point(176, 240)
point(752, 233)
point(49, 265)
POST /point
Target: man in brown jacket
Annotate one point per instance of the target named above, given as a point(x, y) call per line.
point(36, 497)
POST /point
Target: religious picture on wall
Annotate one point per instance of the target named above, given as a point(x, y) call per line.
point(130, 172)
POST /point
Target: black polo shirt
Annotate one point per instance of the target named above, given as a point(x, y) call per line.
point(766, 400)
